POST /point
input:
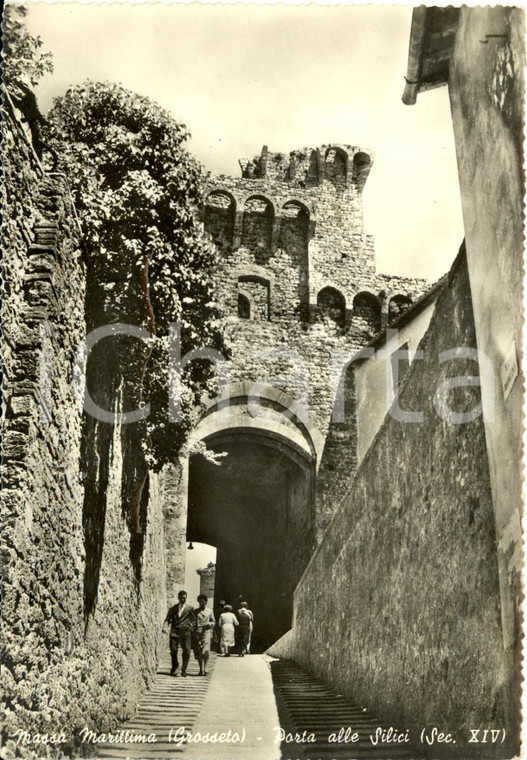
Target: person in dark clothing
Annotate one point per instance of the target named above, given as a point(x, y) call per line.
point(182, 620)
point(245, 628)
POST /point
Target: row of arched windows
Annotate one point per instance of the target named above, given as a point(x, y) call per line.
point(257, 221)
point(333, 165)
point(222, 200)
point(254, 302)
point(336, 167)
point(366, 306)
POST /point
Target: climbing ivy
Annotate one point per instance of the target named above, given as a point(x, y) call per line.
point(137, 193)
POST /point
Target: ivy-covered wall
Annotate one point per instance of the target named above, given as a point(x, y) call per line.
point(62, 667)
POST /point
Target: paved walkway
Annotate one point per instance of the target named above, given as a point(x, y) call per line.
point(171, 705)
point(240, 699)
point(236, 711)
point(231, 714)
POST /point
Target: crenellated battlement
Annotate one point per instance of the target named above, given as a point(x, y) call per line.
point(291, 229)
point(339, 164)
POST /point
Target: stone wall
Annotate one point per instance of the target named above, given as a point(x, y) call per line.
point(374, 376)
point(173, 481)
point(61, 668)
point(43, 321)
point(123, 632)
point(399, 606)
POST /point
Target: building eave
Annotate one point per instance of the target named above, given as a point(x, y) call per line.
point(432, 38)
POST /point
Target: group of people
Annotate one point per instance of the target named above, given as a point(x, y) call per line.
point(232, 627)
point(192, 628)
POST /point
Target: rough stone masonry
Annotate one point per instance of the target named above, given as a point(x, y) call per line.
point(61, 669)
point(299, 275)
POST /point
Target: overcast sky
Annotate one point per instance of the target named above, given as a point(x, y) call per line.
point(287, 77)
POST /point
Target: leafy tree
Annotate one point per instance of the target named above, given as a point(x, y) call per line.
point(137, 192)
point(24, 64)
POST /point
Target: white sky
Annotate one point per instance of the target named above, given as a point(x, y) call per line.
point(287, 77)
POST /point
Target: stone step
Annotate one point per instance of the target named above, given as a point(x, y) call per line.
point(305, 703)
point(172, 703)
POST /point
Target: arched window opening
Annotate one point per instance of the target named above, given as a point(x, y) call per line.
point(397, 305)
point(257, 227)
point(256, 291)
point(336, 166)
point(219, 217)
point(244, 307)
point(367, 313)
point(332, 306)
point(294, 229)
point(361, 168)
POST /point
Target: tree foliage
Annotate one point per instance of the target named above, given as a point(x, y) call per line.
point(24, 63)
point(137, 192)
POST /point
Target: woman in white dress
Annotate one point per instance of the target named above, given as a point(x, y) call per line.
point(227, 622)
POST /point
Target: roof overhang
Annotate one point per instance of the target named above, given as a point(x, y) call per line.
point(432, 38)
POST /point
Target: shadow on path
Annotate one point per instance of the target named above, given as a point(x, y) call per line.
point(308, 709)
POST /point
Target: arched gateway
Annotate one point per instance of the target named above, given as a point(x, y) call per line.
point(256, 505)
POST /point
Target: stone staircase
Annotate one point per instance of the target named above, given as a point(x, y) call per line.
point(171, 704)
point(307, 706)
point(304, 706)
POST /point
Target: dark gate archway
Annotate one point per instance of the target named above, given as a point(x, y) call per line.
point(255, 505)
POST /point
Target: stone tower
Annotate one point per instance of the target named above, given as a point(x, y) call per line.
point(292, 230)
point(207, 576)
point(300, 292)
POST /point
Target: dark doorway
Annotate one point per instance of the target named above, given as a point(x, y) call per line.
point(256, 507)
